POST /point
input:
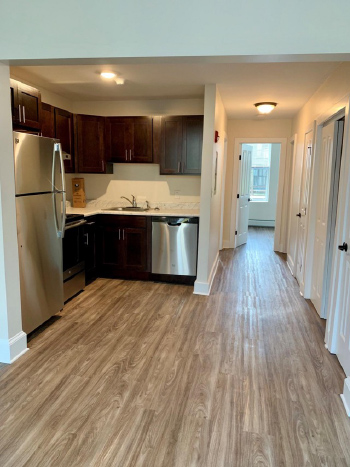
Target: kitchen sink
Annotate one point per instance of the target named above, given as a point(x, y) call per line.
point(132, 209)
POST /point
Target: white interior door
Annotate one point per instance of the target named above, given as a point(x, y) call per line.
point(244, 195)
point(323, 193)
point(344, 304)
point(303, 207)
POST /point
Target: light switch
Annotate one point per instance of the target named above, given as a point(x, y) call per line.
point(177, 194)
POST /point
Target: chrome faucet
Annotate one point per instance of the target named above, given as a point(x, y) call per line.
point(133, 202)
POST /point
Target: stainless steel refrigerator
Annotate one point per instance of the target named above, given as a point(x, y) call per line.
point(40, 207)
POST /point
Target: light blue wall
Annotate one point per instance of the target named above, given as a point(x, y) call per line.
point(157, 28)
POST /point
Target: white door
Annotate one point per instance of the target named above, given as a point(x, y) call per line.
point(303, 207)
point(323, 193)
point(244, 195)
point(344, 304)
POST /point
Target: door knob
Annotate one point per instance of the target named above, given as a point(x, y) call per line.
point(343, 247)
point(249, 199)
point(299, 215)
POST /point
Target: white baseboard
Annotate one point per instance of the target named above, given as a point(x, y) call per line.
point(13, 348)
point(203, 288)
point(260, 223)
point(226, 244)
point(345, 397)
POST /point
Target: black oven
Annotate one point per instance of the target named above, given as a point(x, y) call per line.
point(73, 256)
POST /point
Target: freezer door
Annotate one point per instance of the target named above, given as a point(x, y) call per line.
point(37, 164)
point(40, 255)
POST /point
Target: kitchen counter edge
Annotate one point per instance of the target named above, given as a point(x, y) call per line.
point(86, 212)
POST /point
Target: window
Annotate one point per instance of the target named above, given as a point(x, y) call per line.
point(260, 174)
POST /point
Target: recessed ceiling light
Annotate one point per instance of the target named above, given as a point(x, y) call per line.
point(108, 74)
point(265, 107)
point(120, 80)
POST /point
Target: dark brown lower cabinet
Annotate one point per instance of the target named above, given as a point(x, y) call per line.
point(123, 246)
point(90, 245)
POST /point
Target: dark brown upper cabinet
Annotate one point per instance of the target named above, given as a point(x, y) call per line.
point(64, 132)
point(90, 145)
point(129, 139)
point(192, 131)
point(58, 123)
point(181, 145)
point(47, 120)
point(26, 106)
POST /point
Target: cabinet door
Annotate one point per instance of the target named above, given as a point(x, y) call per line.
point(14, 101)
point(171, 151)
point(110, 252)
point(192, 145)
point(119, 139)
point(135, 249)
point(47, 120)
point(64, 132)
point(29, 100)
point(142, 150)
point(90, 251)
point(90, 144)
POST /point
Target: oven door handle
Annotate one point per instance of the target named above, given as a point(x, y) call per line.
point(75, 224)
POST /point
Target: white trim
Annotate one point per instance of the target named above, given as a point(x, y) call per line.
point(345, 397)
point(226, 244)
point(222, 202)
point(203, 288)
point(260, 223)
point(291, 261)
point(337, 264)
point(11, 349)
point(282, 192)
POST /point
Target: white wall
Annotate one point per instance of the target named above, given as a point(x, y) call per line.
point(333, 90)
point(118, 28)
point(264, 213)
point(13, 340)
point(141, 180)
point(215, 119)
point(259, 128)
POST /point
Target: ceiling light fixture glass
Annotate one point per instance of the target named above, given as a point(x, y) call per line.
point(265, 107)
point(108, 74)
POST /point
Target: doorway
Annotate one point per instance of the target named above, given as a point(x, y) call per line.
point(330, 154)
point(260, 189)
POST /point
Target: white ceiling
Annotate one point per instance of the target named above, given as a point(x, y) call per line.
point(240, 84)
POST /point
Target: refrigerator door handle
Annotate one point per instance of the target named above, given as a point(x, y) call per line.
point(58, 148)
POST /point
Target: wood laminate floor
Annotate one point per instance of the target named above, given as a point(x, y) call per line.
point(146, 374)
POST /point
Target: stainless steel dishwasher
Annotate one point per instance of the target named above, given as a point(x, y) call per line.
point(174, 245)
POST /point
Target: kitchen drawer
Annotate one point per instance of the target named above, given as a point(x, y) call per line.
point(123, 221)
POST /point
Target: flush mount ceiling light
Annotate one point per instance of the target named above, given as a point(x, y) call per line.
point(108, 75)
point(265, 107)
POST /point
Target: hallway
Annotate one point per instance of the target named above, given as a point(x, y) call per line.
point(148, 374)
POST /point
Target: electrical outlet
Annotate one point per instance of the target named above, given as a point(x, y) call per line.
point(177, 194)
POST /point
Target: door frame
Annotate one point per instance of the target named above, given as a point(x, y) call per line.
point(291, 261)
point(280, 240)
point(223, 180)
point(331, 337)
point(335, 113)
